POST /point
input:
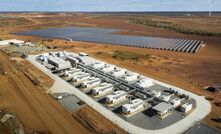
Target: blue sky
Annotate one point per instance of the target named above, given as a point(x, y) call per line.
point(108, 5)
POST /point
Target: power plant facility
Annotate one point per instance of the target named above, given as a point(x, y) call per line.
point(119, 94)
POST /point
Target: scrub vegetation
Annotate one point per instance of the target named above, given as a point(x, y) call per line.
point(174, 27)
point(10, 21)
point(126, 55)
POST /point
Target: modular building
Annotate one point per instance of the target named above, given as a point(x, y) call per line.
point(107, 68)
point(145, 83)
point(176, 102)
point(81, 77)
point(186, 107)
point(166, 97)
point(130, 77)
point(98, 65)
point(118, 72)
point(162, 108)
point(62, 54)
point(43, 57)
point(133, 107)
point(72, 59)
point(15, 42)
point(102, 89)
point(59, 63)
point(155, 93)
point(3, 43)
point(71, 72)
point(91, 82)
point(116, 97)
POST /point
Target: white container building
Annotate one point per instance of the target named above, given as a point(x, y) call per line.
point(133, 107)
point(4, 42)
point(62, 54)
point(68, 73)
point(118, 72)
point(155, 93)
point(83, 54)
point(81, 77)
point(116, 97)
point(91, 82)
point(130, 77)
point(186, 107)
point(166, 97)
point(11, 42)
point(145, 83)
point(162, 108)
point(59, 63)
point(107, 68)
point(176, 102)
point(72, 59)
point(102, 89)
point(98, 65)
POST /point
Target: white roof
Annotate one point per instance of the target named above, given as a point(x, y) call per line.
point(133, 103)
point(187, 105)
point(161, 107)
point(15, 41)
point(57, 60)
point(116, 93)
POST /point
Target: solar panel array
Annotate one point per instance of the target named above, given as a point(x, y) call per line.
point(103, 35)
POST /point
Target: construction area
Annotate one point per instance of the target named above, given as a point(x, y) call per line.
point(122, 96)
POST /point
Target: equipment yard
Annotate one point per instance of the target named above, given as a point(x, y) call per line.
point(132, 90)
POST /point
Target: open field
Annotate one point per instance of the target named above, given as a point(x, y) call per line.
point(190, 71)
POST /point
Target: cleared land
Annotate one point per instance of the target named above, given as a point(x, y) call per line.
point(189, 71)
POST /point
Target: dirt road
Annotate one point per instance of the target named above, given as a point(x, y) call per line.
point(36, 110)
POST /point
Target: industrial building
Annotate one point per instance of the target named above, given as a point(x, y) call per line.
point(107, 68)
point(98, 65)
point(163, 109)
point(12, 42)
point(145, 83)
point(130, 77)
point(166, 97)
point(91, 82)
point(133, 107)
point(186, 107)
point(102, 89)
point(81, 77)
point(156, 93)
point(59, 63)
point(72, 59)
point(71, 72)
point(176, 102)
point(118, 72)
point(116, 97)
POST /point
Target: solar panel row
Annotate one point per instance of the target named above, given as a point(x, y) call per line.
point(102, 35)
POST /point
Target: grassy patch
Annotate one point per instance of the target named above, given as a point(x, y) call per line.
point(173, 27)
point(125, 55)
